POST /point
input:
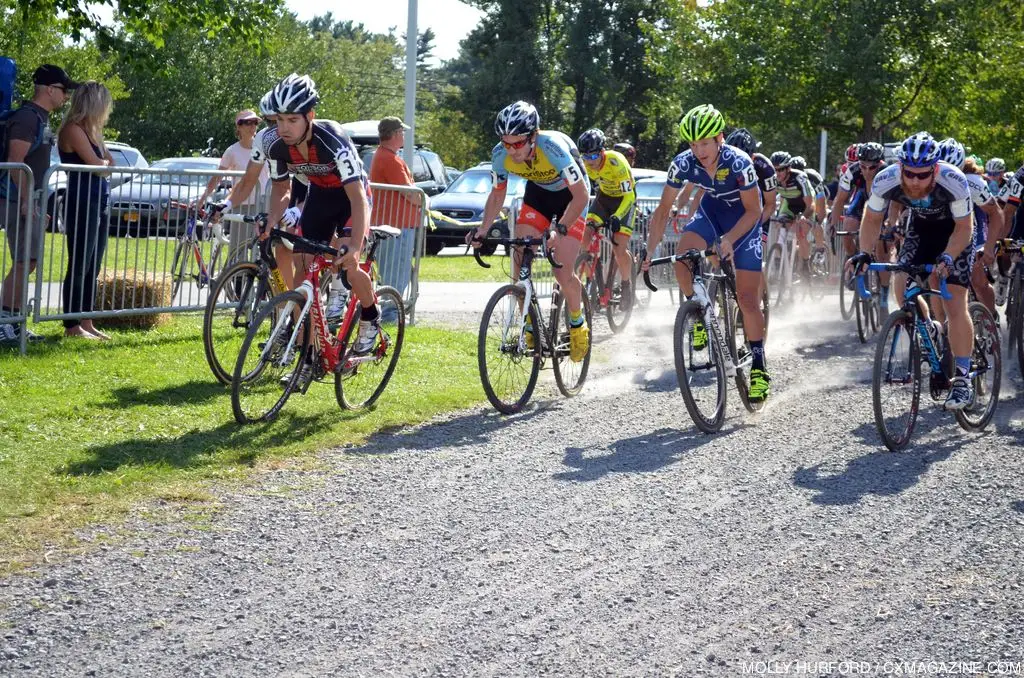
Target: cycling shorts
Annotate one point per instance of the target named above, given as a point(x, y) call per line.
point(924, 242)
point(748, 250)
point(541, 207)
point(324, 215)
point(604, 207)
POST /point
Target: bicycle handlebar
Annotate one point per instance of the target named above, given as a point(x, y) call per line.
point(519, 242)
point(912, 271)
point(672, 258)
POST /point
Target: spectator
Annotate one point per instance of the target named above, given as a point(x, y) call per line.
point(401, 210)
point(80, 142)
point(236, 158)
point(29, 139)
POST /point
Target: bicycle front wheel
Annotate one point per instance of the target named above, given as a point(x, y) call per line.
point(773, 273)
point(618, 310)
point(268, 369)
point(700, 368)
point(233, 303)
point(180, 267)
point(360, 380)
point(987, 366)
point(569, 375)
point(896, 380)
point(847, 296)
point(508, 365)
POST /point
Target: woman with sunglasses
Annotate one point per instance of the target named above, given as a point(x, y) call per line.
point(941, 231)
point(729, 211)
point(557, 190)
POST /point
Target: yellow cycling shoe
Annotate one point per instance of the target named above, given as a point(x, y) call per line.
point(528, 338)
point(699, 336)
point(579, 342)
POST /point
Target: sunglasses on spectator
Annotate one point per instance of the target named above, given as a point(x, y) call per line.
point(592, 156)
point(247, 122)
point(920, 176)
point(515, 145)
point(62, 88)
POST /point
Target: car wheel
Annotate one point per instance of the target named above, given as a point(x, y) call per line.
point(434, 246)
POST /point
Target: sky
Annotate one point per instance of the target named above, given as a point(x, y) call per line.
point(451, 20)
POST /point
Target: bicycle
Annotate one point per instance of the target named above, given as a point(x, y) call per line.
point(508, 366)
point(868, 308)
point(604, 290)
point(291, 339)
point(1014, 296)
point(240, 290)
point(717, 359)
point(846, 278)
point(196, 268)
point(908, 338)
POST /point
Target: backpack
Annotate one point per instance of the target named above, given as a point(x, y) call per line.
point(8, 78)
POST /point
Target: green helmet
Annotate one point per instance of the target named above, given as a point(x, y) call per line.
point(701, 122)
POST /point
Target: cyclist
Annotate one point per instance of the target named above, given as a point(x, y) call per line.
point(337, 202)
point(854, 187)
point(995, 174)
point(988, 219)
point(940, 231)
point(730, 210)
point(627, 151)
point(742, 139)
point(557, 190)
point(799, 163)
point(796, 202)
point(614, 204)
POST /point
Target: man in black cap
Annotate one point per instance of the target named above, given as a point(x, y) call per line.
point(28, 140)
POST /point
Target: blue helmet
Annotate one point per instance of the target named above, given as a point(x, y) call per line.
point(952, 151)
point(919, 150)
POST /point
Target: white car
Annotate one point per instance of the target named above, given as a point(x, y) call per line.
point(124, 156)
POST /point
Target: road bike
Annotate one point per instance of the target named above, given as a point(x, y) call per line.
point(602, 281)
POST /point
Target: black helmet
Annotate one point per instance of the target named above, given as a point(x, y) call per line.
point(871, 151)
point(591, 141)
point(626, 150)
point(742, 139)
point(781, 159)
point(798, 163)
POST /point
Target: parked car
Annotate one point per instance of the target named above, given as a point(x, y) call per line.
point(157, 204)
point(428, 172)
point(124, 156)
point(453, 173)
point(463, 203)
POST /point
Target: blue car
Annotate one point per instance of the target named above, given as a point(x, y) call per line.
point(462, 205)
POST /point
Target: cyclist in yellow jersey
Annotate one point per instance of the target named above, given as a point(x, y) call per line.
point(614, 203)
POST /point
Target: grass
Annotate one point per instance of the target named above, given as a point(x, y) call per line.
point(144, 254)
point(463, 269)
point(93, 432)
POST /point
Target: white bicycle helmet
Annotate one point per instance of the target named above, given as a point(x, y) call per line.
point(952, 151)
point(294, 94)
point(995, 165)
point(919, 150)
point(267, 104)
point(516, 119)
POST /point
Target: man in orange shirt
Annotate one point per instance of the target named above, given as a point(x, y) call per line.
point(398, 209)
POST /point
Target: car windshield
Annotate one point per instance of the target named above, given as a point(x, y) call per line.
point(178, 179)
point(480, 182)
point(649, 189)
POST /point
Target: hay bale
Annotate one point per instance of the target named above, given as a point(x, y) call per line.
point(128, 288)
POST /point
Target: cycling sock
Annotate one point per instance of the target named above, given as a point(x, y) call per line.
point(963, 366)
point(576, 318)
point(757, 351)
point(369, 313)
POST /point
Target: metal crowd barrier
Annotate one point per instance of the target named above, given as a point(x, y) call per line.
point(16, 252)
point(398, 259)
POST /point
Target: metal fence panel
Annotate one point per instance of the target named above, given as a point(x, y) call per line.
point(398, 259)
point(16, 251)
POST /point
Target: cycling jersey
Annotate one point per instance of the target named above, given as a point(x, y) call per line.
point(817, 183)
point(556, 164)
point(795, 194)
point(932, 218)
point(721, 206)
point(981, 196)
point(1013, 188)
point(614, 180)
point(767, 180)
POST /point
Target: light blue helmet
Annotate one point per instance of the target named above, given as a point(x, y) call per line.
point(919, 150)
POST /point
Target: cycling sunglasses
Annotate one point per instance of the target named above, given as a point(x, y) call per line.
point(592, 156)
point(920, 176)
point(515, 144)
point(873, 166)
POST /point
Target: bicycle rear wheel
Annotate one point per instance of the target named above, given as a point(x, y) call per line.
point(618, 312)
point(569, 376)
point(233, 303)
point(508, 369)
point(699, 369)
point(987, 362)
point(896, 380)
point(183, 266)
point(267, 372)
point(773, 274)
point(867, 310)
point(360, 380)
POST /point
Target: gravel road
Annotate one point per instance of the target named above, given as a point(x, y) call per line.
point(596, 536)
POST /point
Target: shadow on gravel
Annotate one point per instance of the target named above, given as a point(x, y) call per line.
point(196, 447)
point(640, 454)
point(666, 382)
point(191, 393)
point(469, 429)
point(880, 473)
point(1018, 506)
point(825, 349)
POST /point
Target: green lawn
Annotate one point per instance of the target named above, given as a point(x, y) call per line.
point(146, 254)
point(464, 269)
point(92, 431)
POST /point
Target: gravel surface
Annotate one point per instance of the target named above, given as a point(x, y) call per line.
point(596, 536)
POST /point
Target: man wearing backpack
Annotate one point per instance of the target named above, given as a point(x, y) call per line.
point(27, 138)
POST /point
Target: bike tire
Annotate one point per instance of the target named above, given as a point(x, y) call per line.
point(254, 380)
point(241, 286)
point(1018, 326)
point(899, 324)
point(512, 399)
point(690, 312)
point(358, 385)
point(863, 312)
point(618, 317)
point(178, 265)
point(774, 282)
point(986, 356)
point(1014, 310)
point(846, 295)
point(731, 316)
point(569, 376)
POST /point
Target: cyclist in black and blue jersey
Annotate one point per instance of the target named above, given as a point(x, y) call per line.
point(796, 203)
point(730, 210)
